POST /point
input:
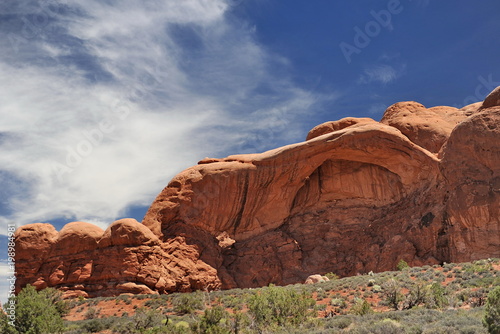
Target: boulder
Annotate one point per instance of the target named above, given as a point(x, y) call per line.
point(429, 128)
point(313, 279)
point(492, 100)
point(127, 232)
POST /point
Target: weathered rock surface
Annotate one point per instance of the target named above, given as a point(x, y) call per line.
point(313, 279)
point(83, 260)
point(429, 128)
point(422, 185)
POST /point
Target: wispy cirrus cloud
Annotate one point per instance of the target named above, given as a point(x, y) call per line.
point(381, 73)
point(102, 102)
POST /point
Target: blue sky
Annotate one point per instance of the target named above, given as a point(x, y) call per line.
point(103, 102)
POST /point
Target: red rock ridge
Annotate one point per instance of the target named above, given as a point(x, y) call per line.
point(421, 185)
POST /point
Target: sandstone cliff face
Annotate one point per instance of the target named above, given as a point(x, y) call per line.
point(84, 260)
point(358, 195)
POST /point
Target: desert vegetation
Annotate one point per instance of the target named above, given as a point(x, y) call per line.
point(448, 298)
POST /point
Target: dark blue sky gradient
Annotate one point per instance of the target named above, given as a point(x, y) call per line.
point(444, 46)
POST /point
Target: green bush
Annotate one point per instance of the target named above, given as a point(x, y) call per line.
point(402, 265)
point(233, 302)
point(212, 322)
point(141, 321)
point(417, 294)
point(187, 303)
point(386, 326)
point(280, 306)
point(332, 276)
point(436, 297)
point(91, 313)
point(36, 312)
point(361, 307)
point(339, 322)
point(238, 322)
point(492, 312)
point(321, 294)
point(94, 326)
point(339, 302)
point(392, 293)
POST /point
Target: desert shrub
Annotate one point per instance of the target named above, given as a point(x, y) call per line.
point(486, 281)
point(491, 318)
point(320, 307)
point(124, 298)
point(321, 294)
point(361, 307)
point(141, 321)
point(441, 330)
point(144, 318)
point(338, 302)
point(453, 321)
point(402, 265)
point(187, 303)
point(91, 313)
point(280, 306)
point(338, 322)
point(97, 325)
point(155, 303)
point(436, 296)
point(479, 267)
point(332, 276)
point(368, 294)
point(477, 297)
point(392, 293)
point(238, 322)
point(233, 302)
point(386, 326)
point(211, 322)
point(36, 312)
point(417, 294)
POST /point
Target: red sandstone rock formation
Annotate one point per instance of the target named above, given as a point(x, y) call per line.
point(422, 185)
point(313, 279)
point(84, 260)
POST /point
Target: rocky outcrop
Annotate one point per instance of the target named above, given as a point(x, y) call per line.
point(421, 185)
point(428, 128)
point(83, 260)
point(470, 166)
point(313, 279)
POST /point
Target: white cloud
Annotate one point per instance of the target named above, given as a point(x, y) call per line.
point(381, 73)
point(107, 101)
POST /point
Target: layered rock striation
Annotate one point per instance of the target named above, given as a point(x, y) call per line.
point(422, 185)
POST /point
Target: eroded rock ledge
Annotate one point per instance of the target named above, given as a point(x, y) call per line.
point(422, 185)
